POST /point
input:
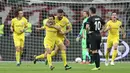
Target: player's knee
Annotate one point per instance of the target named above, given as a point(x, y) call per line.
point(21, 48)
point(108, 50)
point(45, 54)
point(56, 49)
point(115, 46)
point(48, 51)
point(18, 49)
point(62, 47)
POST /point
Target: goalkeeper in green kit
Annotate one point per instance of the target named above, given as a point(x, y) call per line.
point(83, 34)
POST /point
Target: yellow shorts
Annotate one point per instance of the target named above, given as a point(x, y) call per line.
point(19, 40)
point(49, 44)
point(59, 41)
point(112, 41)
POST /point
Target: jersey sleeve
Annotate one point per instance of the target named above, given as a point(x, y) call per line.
point(67, 22)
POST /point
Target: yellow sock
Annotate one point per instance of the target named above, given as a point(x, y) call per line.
point(107, 55)
point(40, 56)
point(114, 54)
point(53, 53)
point(18, 57)
point(49, 59)
point(63, 55)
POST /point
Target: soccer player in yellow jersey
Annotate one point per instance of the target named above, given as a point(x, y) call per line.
point(18, 27)
point(113, 27)
point(64, 23)
point(49, 40)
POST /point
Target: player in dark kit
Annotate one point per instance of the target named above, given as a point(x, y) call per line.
point(94, 25)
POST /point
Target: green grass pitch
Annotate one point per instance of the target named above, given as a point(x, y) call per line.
point(27, 67)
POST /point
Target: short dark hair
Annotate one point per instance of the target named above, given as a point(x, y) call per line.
point(60, 11)
point(17, 11)
point(92, 9)
point(112, 13)
point(51, 15)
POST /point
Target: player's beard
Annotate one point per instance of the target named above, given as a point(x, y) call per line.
point(51, 22)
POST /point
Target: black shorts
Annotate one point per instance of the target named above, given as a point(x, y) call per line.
point(94, 40)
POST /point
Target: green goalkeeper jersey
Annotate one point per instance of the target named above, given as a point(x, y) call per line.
point(82, 27)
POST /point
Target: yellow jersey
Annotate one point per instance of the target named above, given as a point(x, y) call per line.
point(115, 28)
point(19, 25)
point(63, 23)
point(51, 33)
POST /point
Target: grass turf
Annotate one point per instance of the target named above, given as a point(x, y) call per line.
point(27, 67)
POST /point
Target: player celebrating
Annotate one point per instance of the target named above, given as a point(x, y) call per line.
point(64, 23)
point(18, 27)
point(49, 40)
point(113, 28)
point(83, 33)
point(94, 25)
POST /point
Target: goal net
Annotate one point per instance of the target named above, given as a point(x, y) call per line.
point(37, 10)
